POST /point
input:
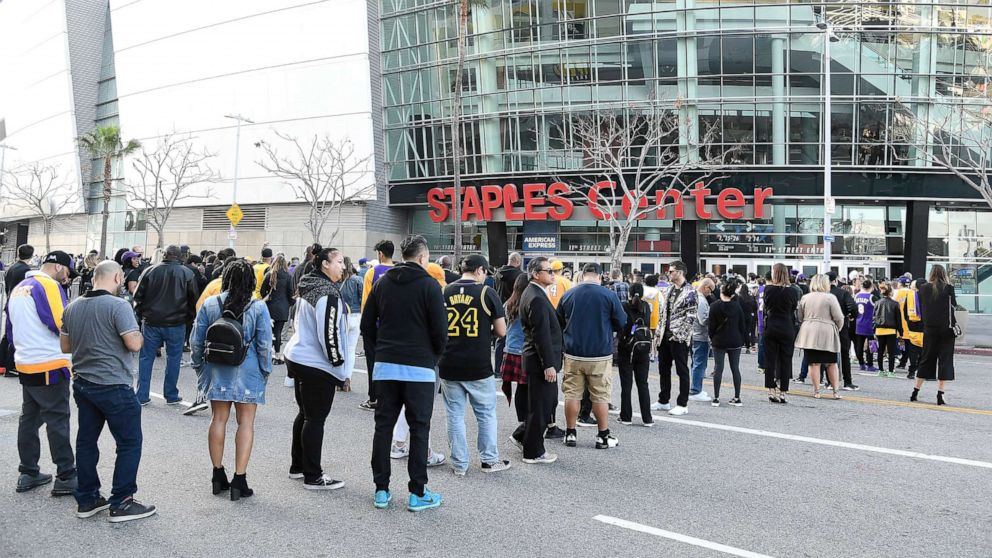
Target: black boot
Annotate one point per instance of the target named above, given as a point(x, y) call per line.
point(916, 393)
point(220, 480)
point(239, 488)
point(940, 398)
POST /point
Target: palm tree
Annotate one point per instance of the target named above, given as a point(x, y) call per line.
point(105, 143)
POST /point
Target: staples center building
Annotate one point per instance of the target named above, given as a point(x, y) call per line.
point(752, 69)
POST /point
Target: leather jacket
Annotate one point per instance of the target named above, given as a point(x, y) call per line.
point(887, 315)
point(166, 295)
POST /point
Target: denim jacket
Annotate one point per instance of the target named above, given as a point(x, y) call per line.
point(515, 338)
point(351, 293)
point(244, 383)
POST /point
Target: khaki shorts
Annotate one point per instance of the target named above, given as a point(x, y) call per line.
point(596, 376)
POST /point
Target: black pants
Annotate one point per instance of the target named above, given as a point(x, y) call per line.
point(779, 346)
point(520, 406)
point(669, 352)
point(542, 401)
point(277, 335)
point(845, 356)
point(314, 391)
point(634, 371)
point(937, 356)
point(418, 398)
point(888, 345)
point(369, 365)
point(913, 352)
point(735, 369)
point(861, 349)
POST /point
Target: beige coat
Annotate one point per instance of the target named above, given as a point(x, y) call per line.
point(822, 320)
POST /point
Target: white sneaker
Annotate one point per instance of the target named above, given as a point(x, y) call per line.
point(289, 382)
point(679, 411)
point(660, 406)
point(701, 396)
point(543, 460)
point(434, 459)
point(397, 451)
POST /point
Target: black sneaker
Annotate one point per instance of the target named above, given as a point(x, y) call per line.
point(92, 509)
point(736, 402)
point(911, 376)
point(196, 408)
point(901, 366)
point(851, 387)
point(570, 439)
point(130, 510)
point(587, 421)
point(368, 405)
point(554, 433)
point(612, 407)
point(323, 483)
point(495, 467)
point(606, 442)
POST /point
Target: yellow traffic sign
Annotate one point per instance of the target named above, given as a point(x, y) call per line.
point(234, 214)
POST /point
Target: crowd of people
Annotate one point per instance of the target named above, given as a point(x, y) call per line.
point(468, 334)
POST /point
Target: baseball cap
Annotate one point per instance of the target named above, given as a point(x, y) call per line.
point(266, 252)
point(362, 261)
point(473, 262)
point(61, 258)
point(129, 254)
point(557, 265)
point(592, 268)
point(832, 276)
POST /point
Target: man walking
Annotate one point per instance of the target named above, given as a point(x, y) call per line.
point(541, 361)
point(34, 318)
point(384, 252)
point(850, 311)
point(100, 331)
point(165, 299)
point(405, 322)
point(475, 314)
point(701, 341)
point(677, 309)
point(592, 314)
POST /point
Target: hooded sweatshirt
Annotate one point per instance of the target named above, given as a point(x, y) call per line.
point(320, 337)
point(406, 321)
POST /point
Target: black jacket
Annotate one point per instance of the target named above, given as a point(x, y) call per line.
point(727, 324)
point(15, 275)
point(408, 307)
point(166, 295)
point(282, 298)
point(199, 277)
point(542, 330)
point(847, 306)
point(888, 315)
point(935, 310)
point(503, 281)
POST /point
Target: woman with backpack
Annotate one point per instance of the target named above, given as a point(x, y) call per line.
point(232, 357)
point(887, 320)
point(728, 333)
point(635, 348)
point(277, 292)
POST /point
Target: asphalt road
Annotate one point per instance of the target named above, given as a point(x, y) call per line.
point(872, 475)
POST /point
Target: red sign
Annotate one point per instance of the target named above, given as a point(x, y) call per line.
point(549, 202)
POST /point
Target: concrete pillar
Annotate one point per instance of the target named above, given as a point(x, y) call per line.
point(924, 88)
point(779, 149)
point(485, 68)
point(688, 80)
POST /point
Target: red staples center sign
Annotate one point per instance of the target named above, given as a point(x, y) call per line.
point(543, 202)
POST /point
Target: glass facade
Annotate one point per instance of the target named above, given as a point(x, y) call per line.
point(753, 69)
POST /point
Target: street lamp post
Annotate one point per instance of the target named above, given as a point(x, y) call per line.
point(828, 203)
point(237, 149)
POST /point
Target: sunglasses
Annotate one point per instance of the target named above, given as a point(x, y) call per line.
point(544, 270)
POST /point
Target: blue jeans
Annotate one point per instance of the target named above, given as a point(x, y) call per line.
point(481, 394)
point(700, 354)
point(118, 408)
point(173, 338)
point(761, 351)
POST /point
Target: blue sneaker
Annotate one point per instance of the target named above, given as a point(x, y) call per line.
point(382, 499)
point(428, 501)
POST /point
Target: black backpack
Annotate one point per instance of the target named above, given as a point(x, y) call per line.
point(225, 339)
point(640, 340)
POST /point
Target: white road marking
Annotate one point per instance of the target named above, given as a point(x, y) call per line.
point(162, 397)
point(678, 537)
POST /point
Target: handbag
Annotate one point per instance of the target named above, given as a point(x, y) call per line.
point(873, 346)
point(955, 326)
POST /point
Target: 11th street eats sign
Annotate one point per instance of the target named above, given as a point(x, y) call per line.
point(551, 202)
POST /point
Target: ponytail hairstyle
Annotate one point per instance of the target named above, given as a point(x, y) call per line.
point(636, 294)
point(238, 281)
point(512, 305)
point(279, 264)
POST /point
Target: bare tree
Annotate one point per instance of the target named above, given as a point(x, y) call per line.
point(166, 176)
point(42, 191)
point(639, 153)
point(956, 137)
point(324, 173)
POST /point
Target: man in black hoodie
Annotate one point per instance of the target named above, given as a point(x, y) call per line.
point(405, 320)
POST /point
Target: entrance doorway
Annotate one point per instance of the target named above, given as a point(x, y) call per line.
point(809, 268)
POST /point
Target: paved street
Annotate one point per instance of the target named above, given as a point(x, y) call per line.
point(869, 476)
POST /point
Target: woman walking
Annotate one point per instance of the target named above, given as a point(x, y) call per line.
point(728, 329)
point(351, 295)
point(635, 344)
point(819, 334)
point(937, 302)
point(242, 385)
point(887, 320)
point(277, 292)
point(779, 301)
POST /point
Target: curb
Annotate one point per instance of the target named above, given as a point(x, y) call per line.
point(973, 351)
